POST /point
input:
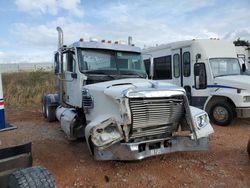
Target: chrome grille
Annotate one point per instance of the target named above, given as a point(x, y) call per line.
point(152, 116)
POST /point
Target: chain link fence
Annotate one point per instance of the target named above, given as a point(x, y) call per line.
point(24, 67)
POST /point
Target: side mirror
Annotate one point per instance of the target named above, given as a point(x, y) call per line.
point(56, 63)
point(74, 75)
point(244, 67)
point(198, 56)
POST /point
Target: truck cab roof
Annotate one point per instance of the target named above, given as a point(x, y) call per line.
point(106, 46)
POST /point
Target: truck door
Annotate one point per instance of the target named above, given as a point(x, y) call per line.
point(71, 81)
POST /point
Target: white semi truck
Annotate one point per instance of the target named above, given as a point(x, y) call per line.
point(209, 71)
point(105, 97)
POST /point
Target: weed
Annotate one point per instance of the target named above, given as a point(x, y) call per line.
point(26, 88)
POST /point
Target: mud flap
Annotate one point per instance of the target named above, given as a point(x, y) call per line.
point(14, 158)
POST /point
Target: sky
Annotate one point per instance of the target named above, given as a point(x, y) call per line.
point(28, 27)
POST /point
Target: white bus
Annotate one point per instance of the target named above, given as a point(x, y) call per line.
point(210, 72)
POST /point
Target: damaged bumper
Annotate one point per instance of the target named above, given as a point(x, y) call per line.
point(141, 150)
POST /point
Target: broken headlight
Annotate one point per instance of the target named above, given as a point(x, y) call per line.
point(106, 133)
point(201, 120)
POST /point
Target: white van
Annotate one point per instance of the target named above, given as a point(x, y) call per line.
point(209, 71)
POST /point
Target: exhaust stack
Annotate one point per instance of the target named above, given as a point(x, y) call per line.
point(60, 36)
point(60, 48)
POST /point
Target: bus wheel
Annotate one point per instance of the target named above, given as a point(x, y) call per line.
point(222, 113)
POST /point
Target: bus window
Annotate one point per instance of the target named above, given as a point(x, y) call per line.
point(162, 68)
point(200, 76)
point(186, 64)
point(176, 62)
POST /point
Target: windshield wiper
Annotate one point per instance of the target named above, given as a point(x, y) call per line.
point(140, 75)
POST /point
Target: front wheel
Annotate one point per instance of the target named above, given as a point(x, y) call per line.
point(222, 113)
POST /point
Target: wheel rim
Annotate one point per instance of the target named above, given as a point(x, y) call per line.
point(220, 114)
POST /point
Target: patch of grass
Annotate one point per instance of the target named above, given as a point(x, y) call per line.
point(27, 88)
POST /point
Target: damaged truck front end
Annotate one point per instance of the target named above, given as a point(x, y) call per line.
point(139, 119)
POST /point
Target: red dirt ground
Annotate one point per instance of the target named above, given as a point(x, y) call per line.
point(225, 164)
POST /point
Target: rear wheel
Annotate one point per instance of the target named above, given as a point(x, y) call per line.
point(37, 176)
point(49, 108)
point(222, 113)
point(51, 113)
point(44, 106)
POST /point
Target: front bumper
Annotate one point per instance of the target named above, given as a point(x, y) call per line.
point(243, 112)
point(141, 150)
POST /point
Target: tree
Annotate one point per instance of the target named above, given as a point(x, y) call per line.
point(240, 42)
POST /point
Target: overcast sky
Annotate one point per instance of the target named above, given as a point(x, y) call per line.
point(28, 31)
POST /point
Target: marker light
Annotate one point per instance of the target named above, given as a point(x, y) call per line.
point(93, 40)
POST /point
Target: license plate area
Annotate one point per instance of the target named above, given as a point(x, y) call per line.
point(155, 147)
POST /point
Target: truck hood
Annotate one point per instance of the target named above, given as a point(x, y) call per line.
point(118, 88)
point(234, 81)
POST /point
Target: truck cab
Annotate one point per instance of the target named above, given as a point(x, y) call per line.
point(89, 62)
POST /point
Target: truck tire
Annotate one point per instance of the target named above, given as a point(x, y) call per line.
point(51, 113)
point(222, 113)
point(35, 177)
point(50, 109)
point(44, 106)
point(248, 148)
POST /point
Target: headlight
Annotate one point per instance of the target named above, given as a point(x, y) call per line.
point(202, 120)
point(106, 133)
point(246, 99)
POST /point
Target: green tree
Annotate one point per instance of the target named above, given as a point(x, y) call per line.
point(240, 42)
